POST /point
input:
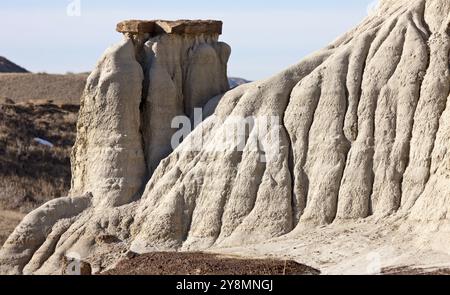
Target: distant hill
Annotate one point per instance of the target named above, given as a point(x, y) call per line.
point(68, 88)
point(235, 82)
point(7, 66)
point(35, 144)
point(22, 87)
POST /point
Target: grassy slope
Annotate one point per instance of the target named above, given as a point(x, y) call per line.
point(32, 173)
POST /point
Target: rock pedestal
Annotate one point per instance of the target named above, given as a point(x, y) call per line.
point(162, 69)
point(360, 163)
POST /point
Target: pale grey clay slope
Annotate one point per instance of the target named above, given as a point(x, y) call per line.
point(364, 139)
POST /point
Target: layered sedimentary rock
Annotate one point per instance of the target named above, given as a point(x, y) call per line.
point(358, 133)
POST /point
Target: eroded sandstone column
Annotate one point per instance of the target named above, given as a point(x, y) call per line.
point(108, 159)
point(161, 69)
point(185, 66)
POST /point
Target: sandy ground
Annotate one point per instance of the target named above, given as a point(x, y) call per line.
point(357, 248)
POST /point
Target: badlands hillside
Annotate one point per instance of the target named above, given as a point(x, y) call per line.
point(342, 162)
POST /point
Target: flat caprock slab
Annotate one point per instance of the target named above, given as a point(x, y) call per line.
point(158, 27)
point(136, 27)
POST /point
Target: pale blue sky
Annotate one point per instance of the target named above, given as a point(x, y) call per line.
point(266, 37)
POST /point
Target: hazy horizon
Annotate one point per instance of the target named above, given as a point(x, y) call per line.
point(69, 36)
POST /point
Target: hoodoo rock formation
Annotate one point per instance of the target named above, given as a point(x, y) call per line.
point(360, 163)
point(161, 70)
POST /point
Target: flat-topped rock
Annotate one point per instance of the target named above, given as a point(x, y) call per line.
point(136, 27)
point(157, 27)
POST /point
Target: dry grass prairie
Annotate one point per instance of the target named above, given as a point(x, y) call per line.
point(35, 145)
point(8, 220)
